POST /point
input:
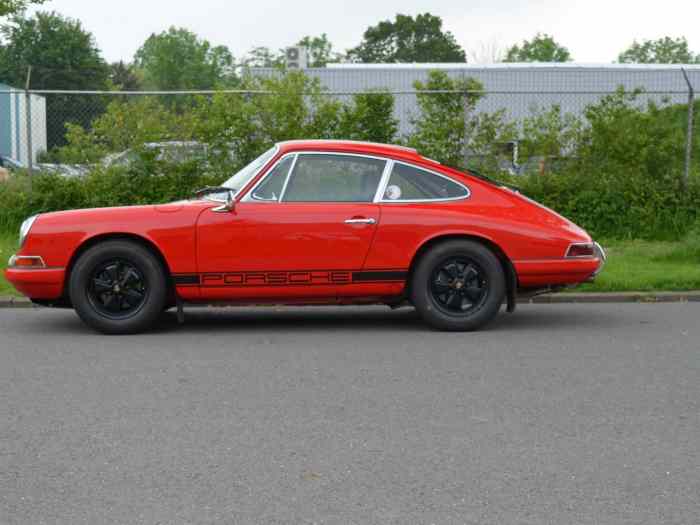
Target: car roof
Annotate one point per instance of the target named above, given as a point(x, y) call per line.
point(351, 146)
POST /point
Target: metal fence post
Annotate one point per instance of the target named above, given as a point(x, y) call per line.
point(689, 130)
point(28, 124)
point(465, 138)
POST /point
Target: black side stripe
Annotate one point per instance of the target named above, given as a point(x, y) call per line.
point(357, 277)
point(380, 276)
point(184, 279)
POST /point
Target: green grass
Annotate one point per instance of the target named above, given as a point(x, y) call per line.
point(649, 266)
point(8, 246)
point(632, 266)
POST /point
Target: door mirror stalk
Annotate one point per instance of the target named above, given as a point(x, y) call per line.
point(228, 206)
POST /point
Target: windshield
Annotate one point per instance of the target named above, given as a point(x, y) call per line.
point(240, 179)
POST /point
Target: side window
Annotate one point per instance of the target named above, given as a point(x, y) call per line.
point(271, 187)
point(334, 178)
point(408, 183)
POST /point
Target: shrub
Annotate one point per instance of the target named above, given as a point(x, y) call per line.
point(147, 181)
point(126, 124)
point(440, 127)
point(370, 117)
point(615, 169)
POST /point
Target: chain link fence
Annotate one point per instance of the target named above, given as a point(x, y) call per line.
point(36, 124)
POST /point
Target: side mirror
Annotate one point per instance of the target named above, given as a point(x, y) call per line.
point(228, 206)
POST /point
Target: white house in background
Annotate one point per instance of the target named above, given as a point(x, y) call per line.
point(13, 125)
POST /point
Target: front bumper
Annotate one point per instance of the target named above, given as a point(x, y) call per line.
point(44, 283)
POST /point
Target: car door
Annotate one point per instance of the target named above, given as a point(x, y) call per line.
point(298, 234)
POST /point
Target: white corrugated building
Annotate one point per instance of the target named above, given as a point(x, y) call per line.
point(13, 125)
point(515, 87)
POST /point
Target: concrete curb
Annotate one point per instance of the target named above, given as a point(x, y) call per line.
point(557, 298)
point(615, 297)
point(15, 302)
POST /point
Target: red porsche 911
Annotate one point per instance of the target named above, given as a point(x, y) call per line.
point(309, 222)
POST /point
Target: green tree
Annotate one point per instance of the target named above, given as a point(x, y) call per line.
point(370, 117)
point(124, 77)
point(262, 56)
point(408, 39)
point(11, 7)
point(441, 128)
point(542, 48)
point(665, 50)
point(550, 133)
point(320, 50)
point(179, 59)
point(126, 124)
point(240, 127)
point(63, 56)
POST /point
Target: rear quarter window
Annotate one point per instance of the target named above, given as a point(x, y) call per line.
point(410, 183)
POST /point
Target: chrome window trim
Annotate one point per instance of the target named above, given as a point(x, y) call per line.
point(384, 180)
point(409, 201)
point(240, 191)
point(334, 153)
point(289, 176)
point(249, 194)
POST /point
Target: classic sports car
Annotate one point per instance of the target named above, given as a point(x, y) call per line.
point(309, 222)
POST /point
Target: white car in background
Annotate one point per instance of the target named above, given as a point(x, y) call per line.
point(176, 152)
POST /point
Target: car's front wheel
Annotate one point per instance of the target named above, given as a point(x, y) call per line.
point(118, 287)
point(458, 286)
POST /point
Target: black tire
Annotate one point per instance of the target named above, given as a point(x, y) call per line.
point(458, 286)
point(118, 287)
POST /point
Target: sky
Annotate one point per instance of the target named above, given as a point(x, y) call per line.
point(595, 31)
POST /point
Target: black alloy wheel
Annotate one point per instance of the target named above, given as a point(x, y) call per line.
point(117, 289)
point(458, 286)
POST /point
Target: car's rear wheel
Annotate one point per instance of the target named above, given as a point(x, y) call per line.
point(118, 287)
point(458, 286)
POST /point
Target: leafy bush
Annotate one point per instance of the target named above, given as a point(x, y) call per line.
point(440, 127)
point(239, 127)
point(615, 169)
point(370, 117)
point(620, 177)
point(147, 181)
point(620, 204)
point(126, 124)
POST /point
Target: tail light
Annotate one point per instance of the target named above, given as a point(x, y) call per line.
point(583, 249)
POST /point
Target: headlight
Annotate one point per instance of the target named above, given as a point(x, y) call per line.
point(24, 229)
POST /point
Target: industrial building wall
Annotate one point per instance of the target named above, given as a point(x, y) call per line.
point(13, 125)
point(518, 89)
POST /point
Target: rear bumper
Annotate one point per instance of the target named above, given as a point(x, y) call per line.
point(44, 283)
point(552, 272)
point(602, 258)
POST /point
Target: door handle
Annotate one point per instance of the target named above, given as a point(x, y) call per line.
point(360, 221)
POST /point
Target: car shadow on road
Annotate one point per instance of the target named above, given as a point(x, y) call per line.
point(528, 318)
point(317, 319)
point(378, 319)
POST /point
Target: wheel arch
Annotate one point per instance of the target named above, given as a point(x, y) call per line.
point(103, 237)
point(507, 265)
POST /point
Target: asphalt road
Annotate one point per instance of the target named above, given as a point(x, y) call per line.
point(561, 414)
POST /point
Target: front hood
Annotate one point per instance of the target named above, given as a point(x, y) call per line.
point(111, 211)
point(170, 227)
